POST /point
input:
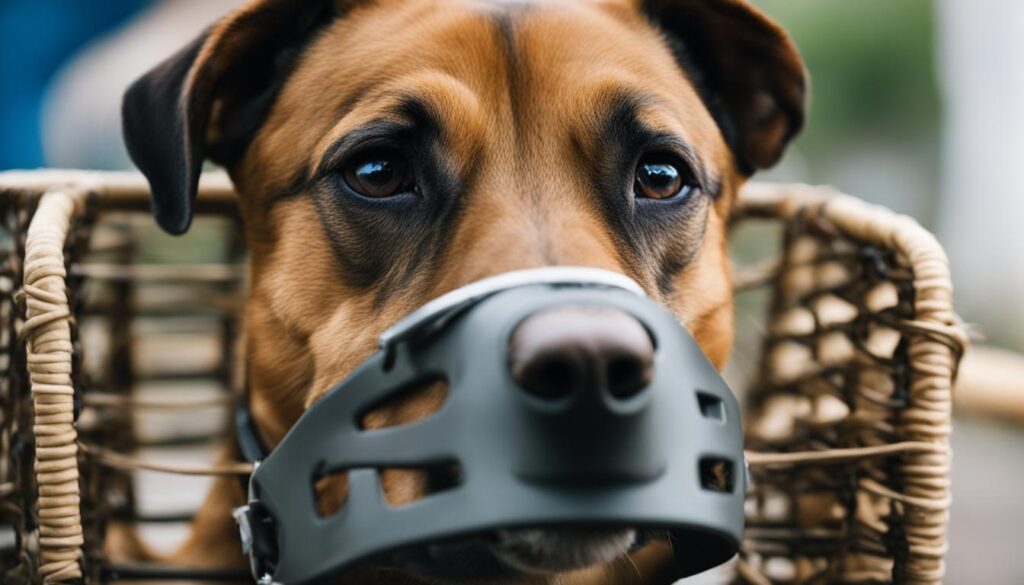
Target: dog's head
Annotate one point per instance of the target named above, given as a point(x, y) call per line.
point(387, 151)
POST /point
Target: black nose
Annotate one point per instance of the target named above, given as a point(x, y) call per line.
point(556, 352)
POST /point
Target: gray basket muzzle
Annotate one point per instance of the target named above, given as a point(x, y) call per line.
point(586, 459)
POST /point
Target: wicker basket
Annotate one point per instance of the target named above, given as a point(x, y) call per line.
point(847, 423)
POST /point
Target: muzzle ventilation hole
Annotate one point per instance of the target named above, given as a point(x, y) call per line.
point(330, 493)
point(402, 486)
point(417, 401)
point(717, 474)
point(711, 407)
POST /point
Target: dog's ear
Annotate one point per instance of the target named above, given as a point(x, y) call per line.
point(746, 67)
point(208, 100)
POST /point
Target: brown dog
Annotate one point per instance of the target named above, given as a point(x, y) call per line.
point(387, 151)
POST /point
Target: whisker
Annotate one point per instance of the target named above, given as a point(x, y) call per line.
point(632, 564)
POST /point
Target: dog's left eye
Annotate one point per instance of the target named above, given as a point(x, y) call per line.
point(662, 176)
point(379, 173)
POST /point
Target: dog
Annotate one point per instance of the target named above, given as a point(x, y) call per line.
point(388, 151)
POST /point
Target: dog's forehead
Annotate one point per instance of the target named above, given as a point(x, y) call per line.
point(474, 39)
point(499, 75)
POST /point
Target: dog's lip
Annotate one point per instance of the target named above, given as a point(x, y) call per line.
point(467, 558)
point(542, 552)
point(472, 557)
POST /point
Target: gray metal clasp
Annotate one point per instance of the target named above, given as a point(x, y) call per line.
point(241, 515)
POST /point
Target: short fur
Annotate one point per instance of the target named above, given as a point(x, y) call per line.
point(526, 119)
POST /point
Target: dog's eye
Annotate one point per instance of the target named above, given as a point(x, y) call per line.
point(663, 176)
point(379, 173)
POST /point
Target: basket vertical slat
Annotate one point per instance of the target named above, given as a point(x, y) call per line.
point(47, 332)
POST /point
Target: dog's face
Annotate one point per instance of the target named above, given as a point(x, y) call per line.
point(388, 151)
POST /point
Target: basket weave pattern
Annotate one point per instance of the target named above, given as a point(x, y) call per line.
point(849, 419)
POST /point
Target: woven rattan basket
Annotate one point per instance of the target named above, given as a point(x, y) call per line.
point(849, 417)
point(847, 421)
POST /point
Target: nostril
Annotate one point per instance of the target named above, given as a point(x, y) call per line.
point(552, 378)
point(628, 375)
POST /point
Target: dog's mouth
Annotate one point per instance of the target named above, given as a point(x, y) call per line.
point(542, 551)
point(511, 555)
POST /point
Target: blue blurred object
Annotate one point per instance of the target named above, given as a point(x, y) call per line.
point(36, 38)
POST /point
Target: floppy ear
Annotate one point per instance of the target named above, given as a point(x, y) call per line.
point(208, 100)
point(745, 66)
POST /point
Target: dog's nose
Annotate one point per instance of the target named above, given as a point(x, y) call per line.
point(556, 352)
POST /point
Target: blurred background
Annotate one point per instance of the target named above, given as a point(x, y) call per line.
point(916, 105)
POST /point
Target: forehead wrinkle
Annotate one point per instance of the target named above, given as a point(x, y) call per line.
point(511, 79)
point(452, 107)
point(617, 101)
point(521, 181)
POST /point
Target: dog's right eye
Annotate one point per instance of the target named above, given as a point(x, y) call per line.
point(379, 173)
point(663, 177)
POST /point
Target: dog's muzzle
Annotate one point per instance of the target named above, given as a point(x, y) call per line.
point(666, 456)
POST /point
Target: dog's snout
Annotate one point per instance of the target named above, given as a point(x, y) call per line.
point(557, 352)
